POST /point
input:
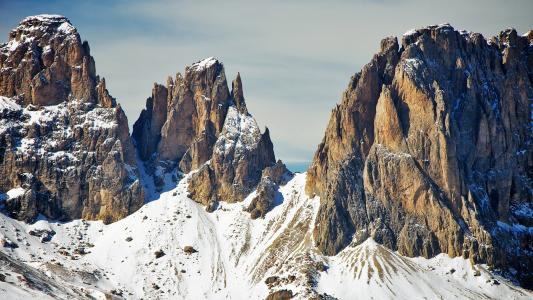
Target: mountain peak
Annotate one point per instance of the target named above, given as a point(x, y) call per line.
point(204, 64)
point(42, 26)
point(46, 17)
point(238, 95)
point(410, 131)
point(51, 62)
point(195, 123)
point(63, 112)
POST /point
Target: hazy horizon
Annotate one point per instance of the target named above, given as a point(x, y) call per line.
point(295, 60)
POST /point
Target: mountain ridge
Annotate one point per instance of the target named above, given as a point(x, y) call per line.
point(424, 172)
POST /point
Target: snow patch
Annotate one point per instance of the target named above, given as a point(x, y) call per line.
point(204, 64)
point(44, 17)
point(12, 45)
point(514, 227)
point(98, 118)
point(8, 104)
point(15, 192)
point(40, 225)
point(45, 114)
point(58, 155)
point(411, 66)
point(66, 28)
point(240, 133)
point(410, 32)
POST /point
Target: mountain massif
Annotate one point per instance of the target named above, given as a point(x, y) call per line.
point(196, 124)
point(421, 187)
point(65, 148)
point(430, 150)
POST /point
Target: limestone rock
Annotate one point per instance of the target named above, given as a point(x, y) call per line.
point(45, 61)
point(264, 200)
point(336, 171)
point(278, 173)
point(181, 121)
point(238, 95)
point(63, 138)
point(280, 295)
point(198, 108)
point(103, 95)
point(198, 125)
point(189, 250)
point(267, 194)
point(240, 154)
point(430, 150)
point(147, 129)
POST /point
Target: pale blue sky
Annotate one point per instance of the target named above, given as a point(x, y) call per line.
point(295, 57)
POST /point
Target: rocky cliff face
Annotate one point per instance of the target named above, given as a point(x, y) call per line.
point(182, 120)
point(267, 194)
point(430, 150)
point(196, 124)
point(65, 149)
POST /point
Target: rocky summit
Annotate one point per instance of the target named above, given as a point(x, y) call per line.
point(65, 149)
point(421, 187)
point(195, 123)
point(430, 150)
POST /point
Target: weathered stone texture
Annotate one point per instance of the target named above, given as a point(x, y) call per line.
point(430, 150)
point(63, 139)
point(199, 125)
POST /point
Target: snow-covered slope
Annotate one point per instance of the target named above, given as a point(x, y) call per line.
point(143, 256)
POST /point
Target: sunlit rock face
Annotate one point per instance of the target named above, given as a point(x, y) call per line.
point(182, 119)
point(64, 142)
point(195, 123)
point(430, 150)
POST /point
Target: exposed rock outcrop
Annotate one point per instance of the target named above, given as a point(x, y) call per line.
point(240, 154)
point(267, 190)
point(280, 295)
point(196, 124)
point(430, 150)
point(45, 61)
point(65, 149)
point(182, 120)
point(147, 129)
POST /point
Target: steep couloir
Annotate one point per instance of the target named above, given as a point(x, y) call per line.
point(430, 150)
point(65, 149)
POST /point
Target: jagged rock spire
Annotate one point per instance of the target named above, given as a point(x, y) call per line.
point(237, 95)
point(181, 121)
point(147, 128)
point(207, 129)
point(103, 95)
